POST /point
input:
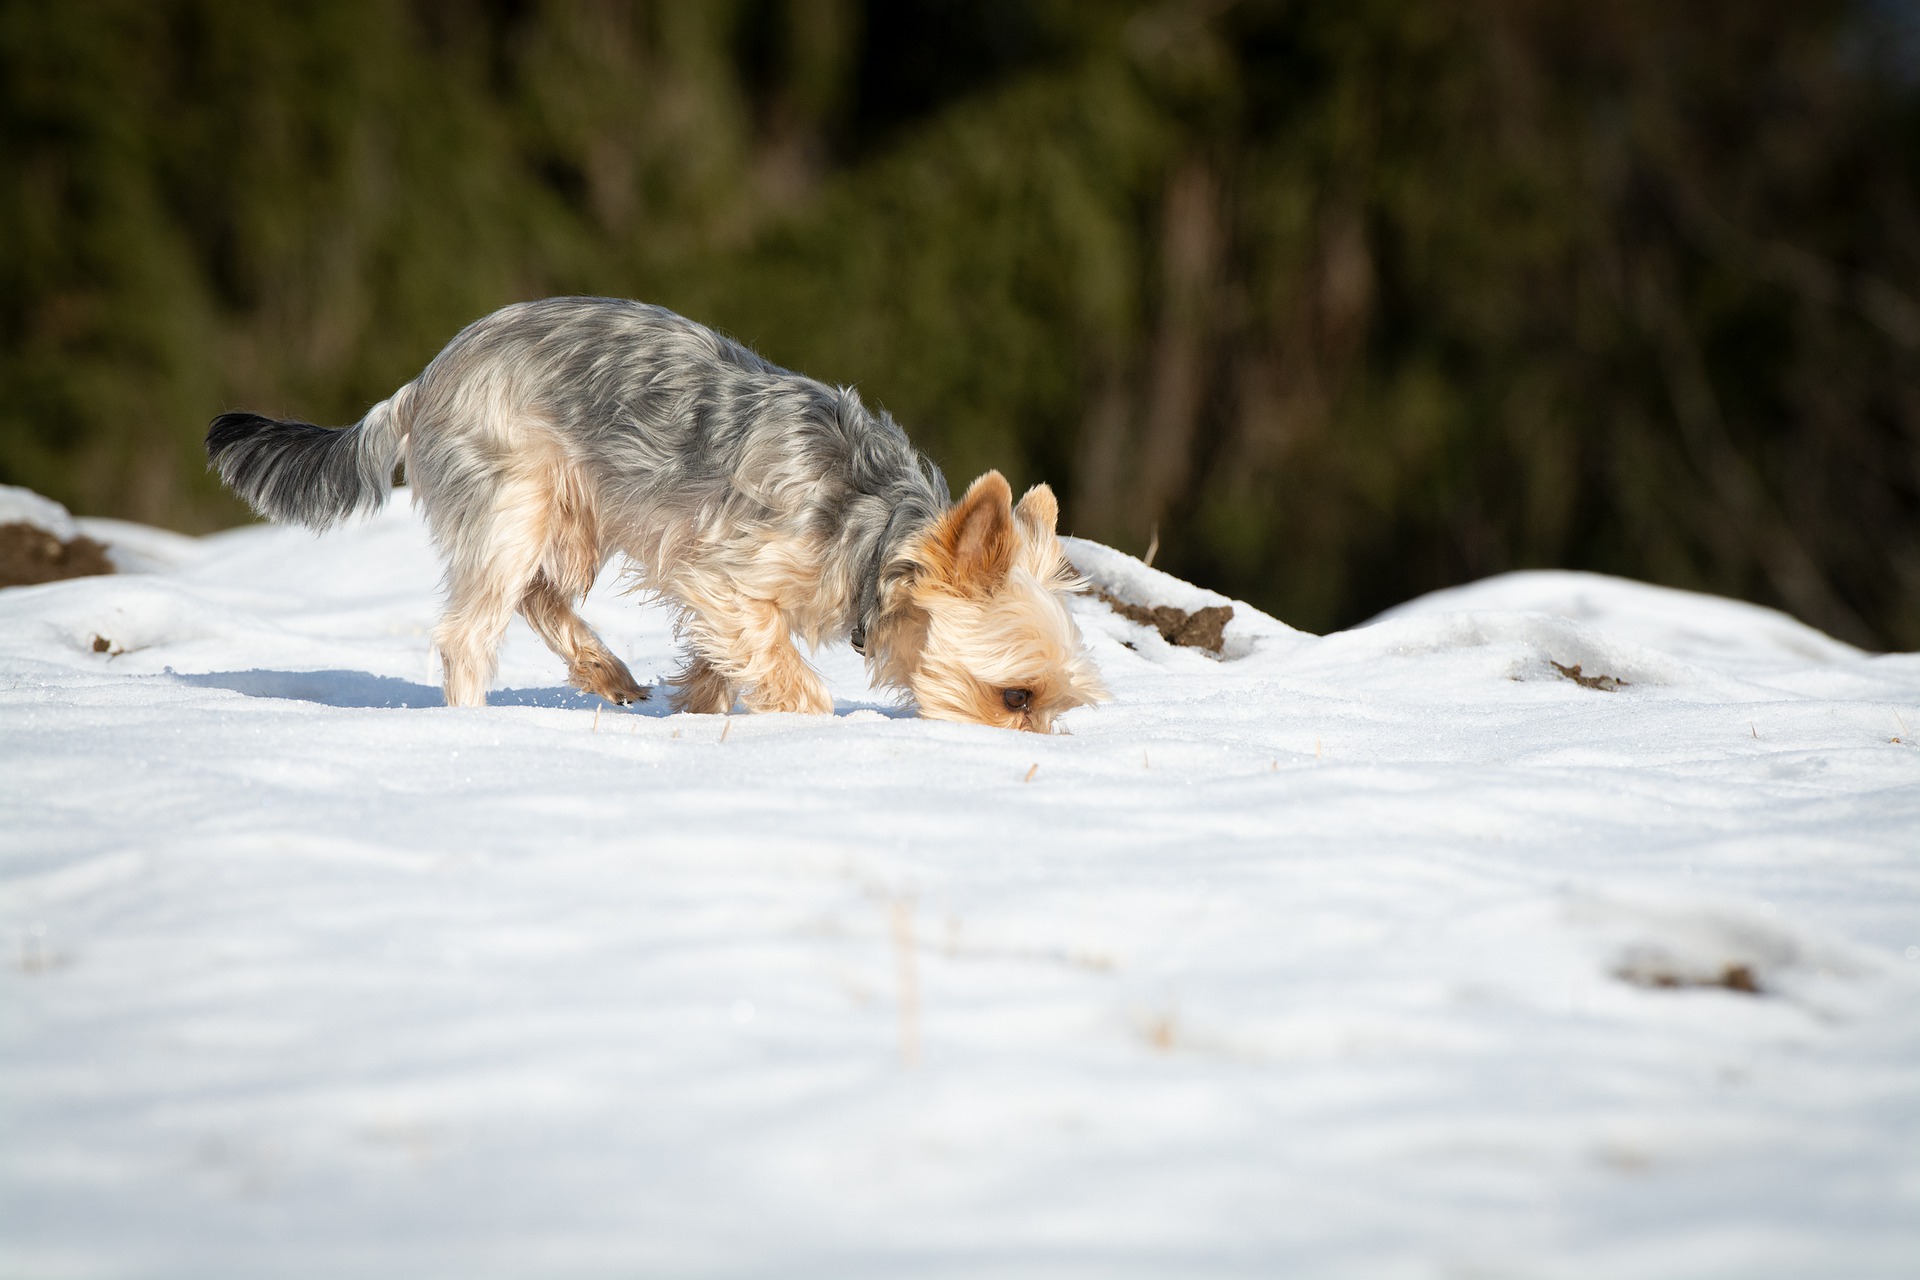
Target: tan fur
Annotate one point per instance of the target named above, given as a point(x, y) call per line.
point(982, 612)
point(702, 690)
point(485, 583)
point(985, 614)
point(742, 631)
point(766, 508)
point(541, 554)
point(591, 666)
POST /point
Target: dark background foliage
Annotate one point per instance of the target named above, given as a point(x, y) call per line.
point(1346, 300)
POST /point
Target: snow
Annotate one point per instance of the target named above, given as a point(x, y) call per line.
point(1306, 960)
point(131, 548)
point(24, 506)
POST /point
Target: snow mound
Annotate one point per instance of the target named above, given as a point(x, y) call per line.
point(39, 542)
point(1681, 623)
point(1129, 580)
point(140, 548)
point(1527, 646)
point(24, 506)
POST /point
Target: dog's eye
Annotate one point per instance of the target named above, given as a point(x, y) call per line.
point(1016, 699)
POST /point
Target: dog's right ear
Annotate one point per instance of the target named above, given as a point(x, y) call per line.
point(1038, 512)
point(976, 540)
point(1037, 515)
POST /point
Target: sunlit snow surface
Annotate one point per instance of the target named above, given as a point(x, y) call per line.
point(1305, 962)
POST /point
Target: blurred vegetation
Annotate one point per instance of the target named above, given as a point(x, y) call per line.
point(1347, 300)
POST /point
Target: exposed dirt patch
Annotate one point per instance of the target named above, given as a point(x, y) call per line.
point(1609, 684)
point(30, 555)
point(1201, 629)
point(1732, 977)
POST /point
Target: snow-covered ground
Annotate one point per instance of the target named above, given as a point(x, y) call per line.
point(1339, 956)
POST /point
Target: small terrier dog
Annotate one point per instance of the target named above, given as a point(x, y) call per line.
point(764, 506)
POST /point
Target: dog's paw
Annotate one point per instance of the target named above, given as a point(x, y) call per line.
point(702, 691)
point(609, 678)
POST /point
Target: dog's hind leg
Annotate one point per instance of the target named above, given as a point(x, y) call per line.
point(591, 666)
point(489, 568)
point(571, 558)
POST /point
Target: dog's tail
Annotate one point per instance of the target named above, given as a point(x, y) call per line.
point(296, 473)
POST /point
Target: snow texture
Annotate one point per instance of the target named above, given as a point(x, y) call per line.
point(24, 506)
point(1409, 951)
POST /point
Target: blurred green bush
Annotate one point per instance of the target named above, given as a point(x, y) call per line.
point(1345, 300)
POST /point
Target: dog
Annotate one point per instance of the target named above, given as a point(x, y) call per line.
point(765, 507)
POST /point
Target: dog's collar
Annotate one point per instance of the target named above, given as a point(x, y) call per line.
point(869, 598)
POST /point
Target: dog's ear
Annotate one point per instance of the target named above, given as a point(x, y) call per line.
point(1038, 512)
point(977, 537)
point(1040, 554)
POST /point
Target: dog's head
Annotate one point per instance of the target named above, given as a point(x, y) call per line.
point(991, 639)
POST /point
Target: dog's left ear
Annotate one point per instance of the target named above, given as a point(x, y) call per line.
point(977, 538)
point(1038, 512)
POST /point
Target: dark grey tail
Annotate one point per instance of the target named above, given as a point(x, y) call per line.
point(297, 473)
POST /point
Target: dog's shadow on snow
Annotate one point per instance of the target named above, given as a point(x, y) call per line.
point(364, 689)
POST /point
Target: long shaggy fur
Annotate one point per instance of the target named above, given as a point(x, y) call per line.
point(297, 473)
point(767, 507)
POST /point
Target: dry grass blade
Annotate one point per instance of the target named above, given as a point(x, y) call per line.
point(909, 1002)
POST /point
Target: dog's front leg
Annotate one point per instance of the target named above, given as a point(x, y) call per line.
point(700, 689)
point(750, 645)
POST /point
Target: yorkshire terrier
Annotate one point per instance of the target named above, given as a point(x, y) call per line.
point(763, 506)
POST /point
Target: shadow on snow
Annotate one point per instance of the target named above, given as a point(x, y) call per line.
point(364, 689)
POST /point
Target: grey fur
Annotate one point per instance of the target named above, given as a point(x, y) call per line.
point(297, 473)
point(676, 426)
point(769, 509)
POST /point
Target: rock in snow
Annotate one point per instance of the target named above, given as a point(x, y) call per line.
point(1555, 925)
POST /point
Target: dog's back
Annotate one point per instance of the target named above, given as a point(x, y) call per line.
point(677, 433)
